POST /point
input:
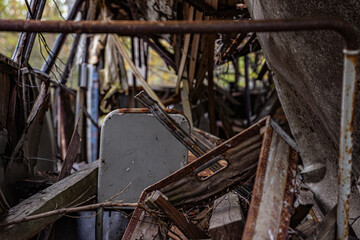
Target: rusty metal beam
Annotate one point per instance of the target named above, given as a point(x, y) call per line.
point(128, 28)
point(271, 203)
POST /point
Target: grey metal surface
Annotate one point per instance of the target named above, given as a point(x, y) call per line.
point(135, 148)
point(346, 141)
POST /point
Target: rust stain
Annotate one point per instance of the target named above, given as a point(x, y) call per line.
point(144, 110)
point(352, 58)
point(249, 229)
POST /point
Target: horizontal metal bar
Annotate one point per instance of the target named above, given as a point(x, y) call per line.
point(128, 28)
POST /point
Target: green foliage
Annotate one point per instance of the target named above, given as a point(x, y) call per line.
point(16, 9)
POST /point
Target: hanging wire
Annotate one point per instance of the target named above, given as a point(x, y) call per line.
point(58, 9)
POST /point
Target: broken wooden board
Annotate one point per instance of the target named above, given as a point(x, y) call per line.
point(326, 229)
point(185, 188)
point(187, 227)
point(66, 193)
point(227, 219)
point(271, 203)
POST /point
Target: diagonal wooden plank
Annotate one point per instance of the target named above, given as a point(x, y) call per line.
point(184, 53)
point(71, 153)
point(194, 51)
point(135, 71)
point(68, 192)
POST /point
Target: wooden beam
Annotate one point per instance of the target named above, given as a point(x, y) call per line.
point(210, 78)
point(68, 192)
point(194, 51)
point(227, 219)
point(184, 53)
point(186, 227)
point(204, 6)
point(71, 153)
point(326, 229)
point(272, 198)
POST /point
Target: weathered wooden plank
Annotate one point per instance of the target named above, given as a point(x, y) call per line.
point(134, 69)
point(184, 53)
point(271, 203)
point(326, 229)
point(4, 98)
point(194, 51)
point(71, 153)
point(186, 227)
point(227, 220)
point(68, 192)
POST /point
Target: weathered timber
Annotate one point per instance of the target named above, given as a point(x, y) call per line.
point(71, 153)
point(148, 228)
point(211, 94)
point(68, 192)
point(194, 51)
point(326, 229)
point(227, 220)
point(184, 53)
point(271, 203)
point(134, 69)
point(186, 227)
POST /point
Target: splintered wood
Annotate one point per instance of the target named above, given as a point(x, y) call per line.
point(258, 147)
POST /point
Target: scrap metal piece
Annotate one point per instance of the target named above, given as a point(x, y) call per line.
point(346, 141)
point(271, 203)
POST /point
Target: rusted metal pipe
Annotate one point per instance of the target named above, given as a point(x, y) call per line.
point(346, 141)
point(128, 28)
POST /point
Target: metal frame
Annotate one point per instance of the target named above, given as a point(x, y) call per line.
point(351, 53)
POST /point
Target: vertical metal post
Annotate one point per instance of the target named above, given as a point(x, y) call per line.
point(346, 142)
point(92, 108)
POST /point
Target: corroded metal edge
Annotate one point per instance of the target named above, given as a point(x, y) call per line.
point(145, 110)
point(287, 199)
point(258, 185)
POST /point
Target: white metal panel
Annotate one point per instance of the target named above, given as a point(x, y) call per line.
point(135, 148)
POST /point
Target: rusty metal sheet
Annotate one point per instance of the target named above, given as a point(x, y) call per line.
point(183, 188)
point(271, 204)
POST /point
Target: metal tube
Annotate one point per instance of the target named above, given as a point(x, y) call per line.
point(128, 28)
point(346, 142)
point(60, 40)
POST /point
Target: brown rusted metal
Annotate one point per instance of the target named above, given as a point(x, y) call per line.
point(346, 141)
point(128, 28)
point(258, 187)
point(271, 204)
